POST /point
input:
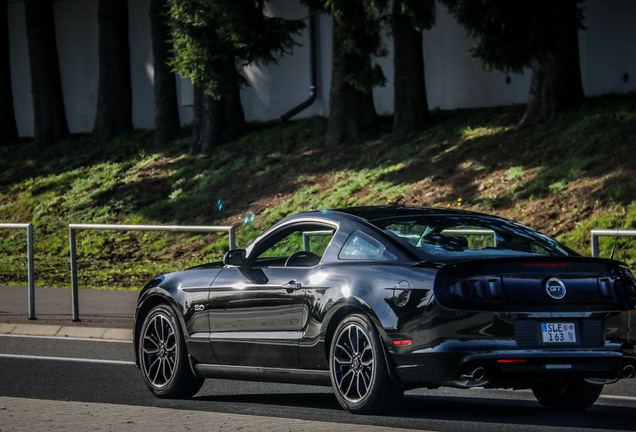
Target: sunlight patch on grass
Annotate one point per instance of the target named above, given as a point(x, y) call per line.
point(469, 133)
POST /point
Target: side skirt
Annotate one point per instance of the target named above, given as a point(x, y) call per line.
point(268, 374)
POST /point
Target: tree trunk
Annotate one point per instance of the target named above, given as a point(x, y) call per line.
point(8, 128)
point(46, 84)
point(206, 122)
point(167, 124)
point(233, 115)
point(114, 95)
point(351, 110)
point(556, 84)
point(410, 105)
point(216, 121)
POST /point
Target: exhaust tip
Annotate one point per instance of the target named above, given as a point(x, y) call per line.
point(627, 371)
point(477, 374)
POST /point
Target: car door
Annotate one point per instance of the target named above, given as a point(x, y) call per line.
point(257, 311)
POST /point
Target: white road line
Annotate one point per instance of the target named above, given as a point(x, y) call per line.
point(617, 397)
point(66, 338)
point(69, 359)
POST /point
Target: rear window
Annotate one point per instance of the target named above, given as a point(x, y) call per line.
point(468, 235)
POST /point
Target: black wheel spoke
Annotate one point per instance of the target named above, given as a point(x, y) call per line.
point(351, 341)
point(153, 352)
point(349, 372)
point(151, 340)
point(165, 374)
point(346, 392)
point(346, 351)
point(360, 393)
point(161, 326)
point(158, 369)
point(365, 380)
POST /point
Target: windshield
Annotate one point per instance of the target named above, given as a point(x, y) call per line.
point(468, 236)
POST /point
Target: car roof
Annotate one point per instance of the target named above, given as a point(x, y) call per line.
point(371, 213)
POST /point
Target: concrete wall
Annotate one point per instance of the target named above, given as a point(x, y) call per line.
point(20, 70)
point(454, 78)
point(608, 47)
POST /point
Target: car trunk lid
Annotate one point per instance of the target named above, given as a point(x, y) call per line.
point(542, 283)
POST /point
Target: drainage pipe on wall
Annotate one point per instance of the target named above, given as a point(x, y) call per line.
point(313, 87)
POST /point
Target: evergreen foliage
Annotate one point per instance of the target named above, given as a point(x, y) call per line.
point(542, 34)
point(360, 22)
point(513, 35)
point(214, 39)
point(419, 14)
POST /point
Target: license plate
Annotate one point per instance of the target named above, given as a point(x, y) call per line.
point(558, 332)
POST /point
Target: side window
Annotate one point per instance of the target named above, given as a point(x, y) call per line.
point(360, 246)
point(300, 246)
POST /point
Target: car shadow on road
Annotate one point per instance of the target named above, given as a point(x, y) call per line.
point(515, 412)
point(424, 411)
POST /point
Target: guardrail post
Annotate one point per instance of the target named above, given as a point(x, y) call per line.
point(595, 248)
point(114, 227)
point(31, 272)
point(30, 266)
point(232, 236)
point(74, 289)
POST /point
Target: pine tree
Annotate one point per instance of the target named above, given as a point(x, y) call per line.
point(167, 123)
point(114, 94)
point(408, 19)
point(213, 41)
point(8, 128)
point(542, 35)
point(46, 83)
point(354, 73)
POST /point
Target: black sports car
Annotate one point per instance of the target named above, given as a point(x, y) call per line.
point(376, 300)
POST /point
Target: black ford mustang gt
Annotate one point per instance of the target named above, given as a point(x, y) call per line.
point(376, 300)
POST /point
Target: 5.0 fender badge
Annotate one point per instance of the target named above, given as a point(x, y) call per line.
point(555, 288)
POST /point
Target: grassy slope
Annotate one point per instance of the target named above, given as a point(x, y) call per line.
point(564, 179)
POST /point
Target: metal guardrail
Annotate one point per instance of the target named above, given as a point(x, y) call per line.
point(30, 270)
point(608, 233)
point(114, 227)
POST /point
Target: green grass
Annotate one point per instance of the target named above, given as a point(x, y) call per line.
point(564, 178)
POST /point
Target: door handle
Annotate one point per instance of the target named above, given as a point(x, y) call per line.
point(292, 285)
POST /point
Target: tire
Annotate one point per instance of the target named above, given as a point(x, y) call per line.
point(163, 357)
point(567, 396)
point(359, 370)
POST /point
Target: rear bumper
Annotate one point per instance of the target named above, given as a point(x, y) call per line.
point(502, 364)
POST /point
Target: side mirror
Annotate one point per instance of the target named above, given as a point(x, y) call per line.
point(234, 257)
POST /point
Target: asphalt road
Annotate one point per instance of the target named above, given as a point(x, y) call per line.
point(107, 376)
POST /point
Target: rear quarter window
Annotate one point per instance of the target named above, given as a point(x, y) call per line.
point(360, 246)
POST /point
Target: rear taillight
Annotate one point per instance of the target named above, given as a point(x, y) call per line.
point(606, 286)
point(476, 289)
point(626, 284)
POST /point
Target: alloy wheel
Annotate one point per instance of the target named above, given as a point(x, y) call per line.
point(159, 351)
point(353, 363)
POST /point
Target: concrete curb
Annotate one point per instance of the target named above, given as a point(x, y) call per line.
point(66, 331)
point(35, 414)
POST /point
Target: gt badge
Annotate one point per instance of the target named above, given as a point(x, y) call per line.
point(555, 288)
